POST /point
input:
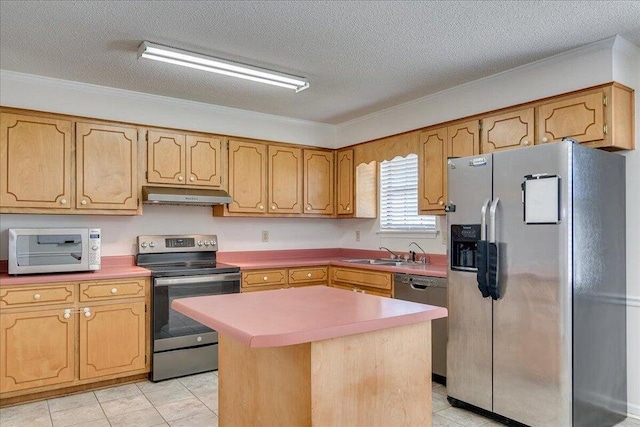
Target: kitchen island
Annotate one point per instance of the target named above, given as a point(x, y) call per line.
point(319, 356)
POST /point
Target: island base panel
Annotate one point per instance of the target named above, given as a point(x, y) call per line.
point(378, 378)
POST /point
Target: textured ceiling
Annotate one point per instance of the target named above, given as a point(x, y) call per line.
point(359, 57)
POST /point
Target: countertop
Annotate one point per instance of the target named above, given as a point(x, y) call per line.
point(300, 315)
point(113, 267)
point(259, 260)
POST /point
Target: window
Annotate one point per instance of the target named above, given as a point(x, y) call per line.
point(399, 197)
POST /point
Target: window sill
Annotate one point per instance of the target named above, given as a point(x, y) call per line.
point(431, 234)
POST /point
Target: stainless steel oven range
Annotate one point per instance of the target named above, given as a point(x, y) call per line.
point(183, 266)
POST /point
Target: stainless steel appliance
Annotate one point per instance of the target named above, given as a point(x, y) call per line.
point(432, 291)
point(537, 292)
point(53, 250)
point(183, 266)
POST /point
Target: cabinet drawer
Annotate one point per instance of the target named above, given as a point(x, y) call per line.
point(368, 291)
point(307, 274)
point(264, 278)
point(367, 278)
point(95, 291)
point(32, 295)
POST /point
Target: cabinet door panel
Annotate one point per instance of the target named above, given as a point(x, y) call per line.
point(509, 130)
point(112, 340)
point(101, 291)
point(307, 275)
point(37, 349)
point(203, 161)
point(367, 278)
point(35, 162)
point(463, 139)
point(318, 182)
point(166, 161)
point(264, 278)
point(345, 182)
point(247, 176)
point(432, 173)
point(581, 118)
point(285, 179)
point(106, 167)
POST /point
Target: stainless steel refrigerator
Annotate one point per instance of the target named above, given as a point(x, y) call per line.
point(537, 292)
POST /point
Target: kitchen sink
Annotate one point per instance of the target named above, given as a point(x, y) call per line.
point(380, 261)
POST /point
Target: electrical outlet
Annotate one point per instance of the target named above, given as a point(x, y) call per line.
point(357, 235)
point(265, 235)
point(444, 238)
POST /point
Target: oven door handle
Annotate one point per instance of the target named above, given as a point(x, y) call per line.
point(190, 280)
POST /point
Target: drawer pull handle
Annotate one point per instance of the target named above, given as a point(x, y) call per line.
point(87, 314)
point(265, 278)
point(67, 313)
point(36, 297)
point(180, 178)
point(309, 275)
point(191, 178)
point(261, 207)
point(114, 290)
point(63, 201)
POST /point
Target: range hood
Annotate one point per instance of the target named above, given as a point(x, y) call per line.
point(184, 196)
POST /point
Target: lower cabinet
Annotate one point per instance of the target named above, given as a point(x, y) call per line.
point(48, 343)
point(360, 280)
point(263, 280)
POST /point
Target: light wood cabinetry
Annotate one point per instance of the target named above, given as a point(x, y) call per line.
point(247, 177)
point(37, 349)
point(463, 139)
point(504, 131)
point(432, 173)
point(318, 182)
point(345, 183)
point(285, 179)
point(262, 280)
point(106, 167)
point(184, 159)
point(62, 335)
point(360, 280)
point(35, 161)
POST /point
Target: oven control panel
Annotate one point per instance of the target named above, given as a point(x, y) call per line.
point(186, 243)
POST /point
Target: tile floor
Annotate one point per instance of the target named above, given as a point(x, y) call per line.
point(183, 402)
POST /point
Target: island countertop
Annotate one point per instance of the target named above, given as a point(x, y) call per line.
point(301, 315)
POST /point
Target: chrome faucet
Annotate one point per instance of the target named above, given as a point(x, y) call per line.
point(393, 254)
point(423, 252)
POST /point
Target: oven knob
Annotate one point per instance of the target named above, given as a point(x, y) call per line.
point(143, 244)
point(152, 245)
point(212, 243)
point(199, 339)
point(199, 243)
point(206, 243)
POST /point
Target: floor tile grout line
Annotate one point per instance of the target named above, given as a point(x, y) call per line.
point(49, 411)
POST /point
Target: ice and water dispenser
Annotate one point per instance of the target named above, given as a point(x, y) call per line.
point(464, 246)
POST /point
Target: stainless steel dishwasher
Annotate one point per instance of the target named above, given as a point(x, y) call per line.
point(432, 291)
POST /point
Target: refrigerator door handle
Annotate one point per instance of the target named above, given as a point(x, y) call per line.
point(493, 255)
point(482, 260)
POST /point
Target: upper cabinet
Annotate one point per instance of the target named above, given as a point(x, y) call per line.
point(432, 173)
point(600, 118)
point(318, 182)
point(175, 158)
point(247, 177)
point(35, 162)
point(285, 179)
point(43, 176)
point(106, 167)
point(463, 139)
point(345, 183)
point(508, 130)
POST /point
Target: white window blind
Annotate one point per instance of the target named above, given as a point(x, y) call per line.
point(399, 196)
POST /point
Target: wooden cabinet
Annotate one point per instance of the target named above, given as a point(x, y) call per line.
point(112, 339)
point(285, 179)
point(184, 159)
point(106, 167)
point(361, 280)
point(345, 183)
point(463, 139)
point(432, 173)
point(281, 278)
point(62, 335)
point(35, 162)
point(318, 182)
point(247, 177)
point(37, 349)
point(504, 131)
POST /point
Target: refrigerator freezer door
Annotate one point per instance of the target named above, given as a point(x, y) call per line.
point(532, 319)
point(469, 345)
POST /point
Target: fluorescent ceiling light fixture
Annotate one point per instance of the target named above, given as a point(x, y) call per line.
point(221, 66)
